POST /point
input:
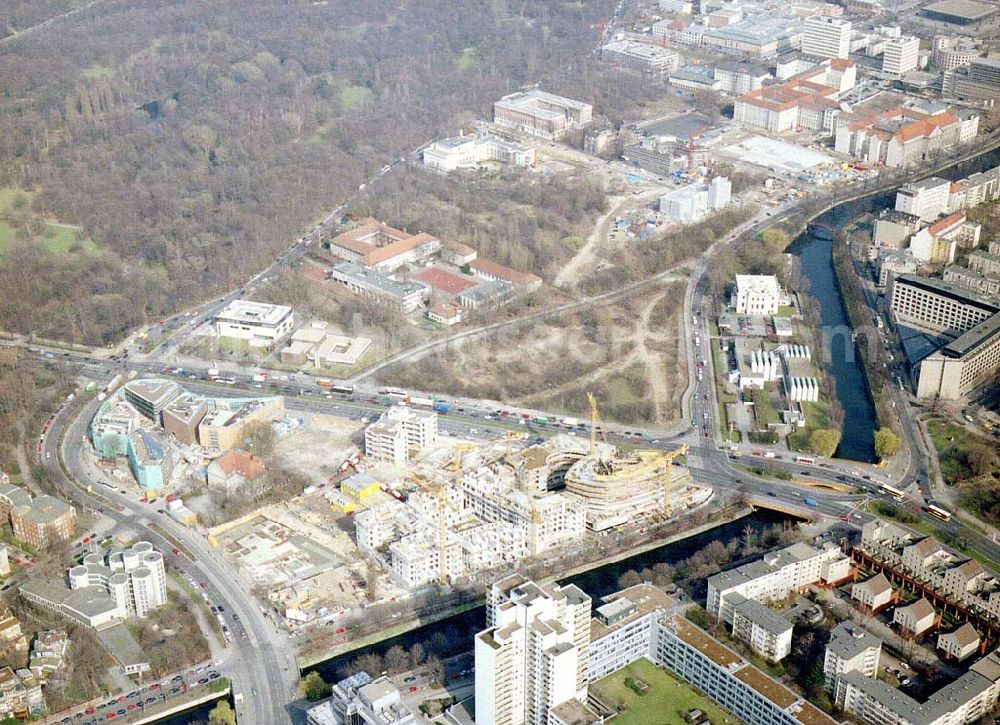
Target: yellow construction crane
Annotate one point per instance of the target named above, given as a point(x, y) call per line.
point(595, 423)
point(668, 475)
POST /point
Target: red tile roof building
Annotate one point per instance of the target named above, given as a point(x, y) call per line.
point(807, 100)
point(488, 269)
point(376, 245)
point(884, 130)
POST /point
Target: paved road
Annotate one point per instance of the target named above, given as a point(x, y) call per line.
point(261, 665)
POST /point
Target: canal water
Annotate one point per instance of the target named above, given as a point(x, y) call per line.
point(856, 444)
point(814, 250)
point(460, 629)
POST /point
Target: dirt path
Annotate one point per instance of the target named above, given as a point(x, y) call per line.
point(50, 21)
point(24, 466)
point(587, 258)
point(655, 370)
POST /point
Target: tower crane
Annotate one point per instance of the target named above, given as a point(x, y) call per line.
point(595, 423)
point(668, 475)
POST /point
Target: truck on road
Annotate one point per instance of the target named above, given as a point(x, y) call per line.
point(810, 502)
point(441, 408)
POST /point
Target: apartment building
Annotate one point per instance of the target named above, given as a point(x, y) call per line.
point(928, 553)
point(914, 620)
point(758, 294)
point(901, 55)
point(873, 594)
point(894, 262)
point(850, 649)
point(985, 263)
point(964, 700)
point(20, 695)
point(960, 644)
point(765, 631)
point(775, 576)
point(623, 628)
point(135, 578)
point(644, 57)
point(256, 322)
point(230, 471)
point(939, 243)
point(48, 654)
point(400, 433)
point(532, 656)
point(971, 280)
point(406, 296)
point(551, 519)
point(730, 680)
point(826, 37)
point(541, 114)
point(927, 199)
point(461, 152)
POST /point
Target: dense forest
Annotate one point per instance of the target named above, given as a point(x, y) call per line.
point(192, 139)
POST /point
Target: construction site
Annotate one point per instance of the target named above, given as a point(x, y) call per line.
point(427, 511)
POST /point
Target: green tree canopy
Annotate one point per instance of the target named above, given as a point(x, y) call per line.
point(222, 714)
point(824, 441)
point(886, 443)
point(313, 687)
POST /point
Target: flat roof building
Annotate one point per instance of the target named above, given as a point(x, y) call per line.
point(256, 322)
point(959, 12)
point(542, 114)
point(405, 296)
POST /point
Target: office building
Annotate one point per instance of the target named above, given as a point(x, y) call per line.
point(765, 631)
point(380, 247)
point(462, 152)
point(360, 700)
point(850, 649)
point(976, 82)
point(532, 656)
point(774, 577)
point(826, 37)
point(950, 53)
point(758, 294)
point(39, 521)
point(972, 358)
point(399, 434)
point(806, 100)
point(135, 578)
point(959, 12)
point(892, 130)
point(960, 644)
point(738, 78)
point(760, 35)
point(405, 296)
point(495, 272)
point(691, 203)
point(644, 57)
point(541, 114)
point(901, 55)
point(223, 427)
point(181, 416)
point(256, 322)
point(150, 397)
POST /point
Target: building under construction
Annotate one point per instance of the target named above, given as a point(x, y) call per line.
point(618, 486)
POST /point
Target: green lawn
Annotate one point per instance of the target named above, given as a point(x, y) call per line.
point(15, 204)
point(817, 416)
point(664, 703)
point(353, 96)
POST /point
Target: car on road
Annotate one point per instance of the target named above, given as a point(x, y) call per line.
point(410, 679)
